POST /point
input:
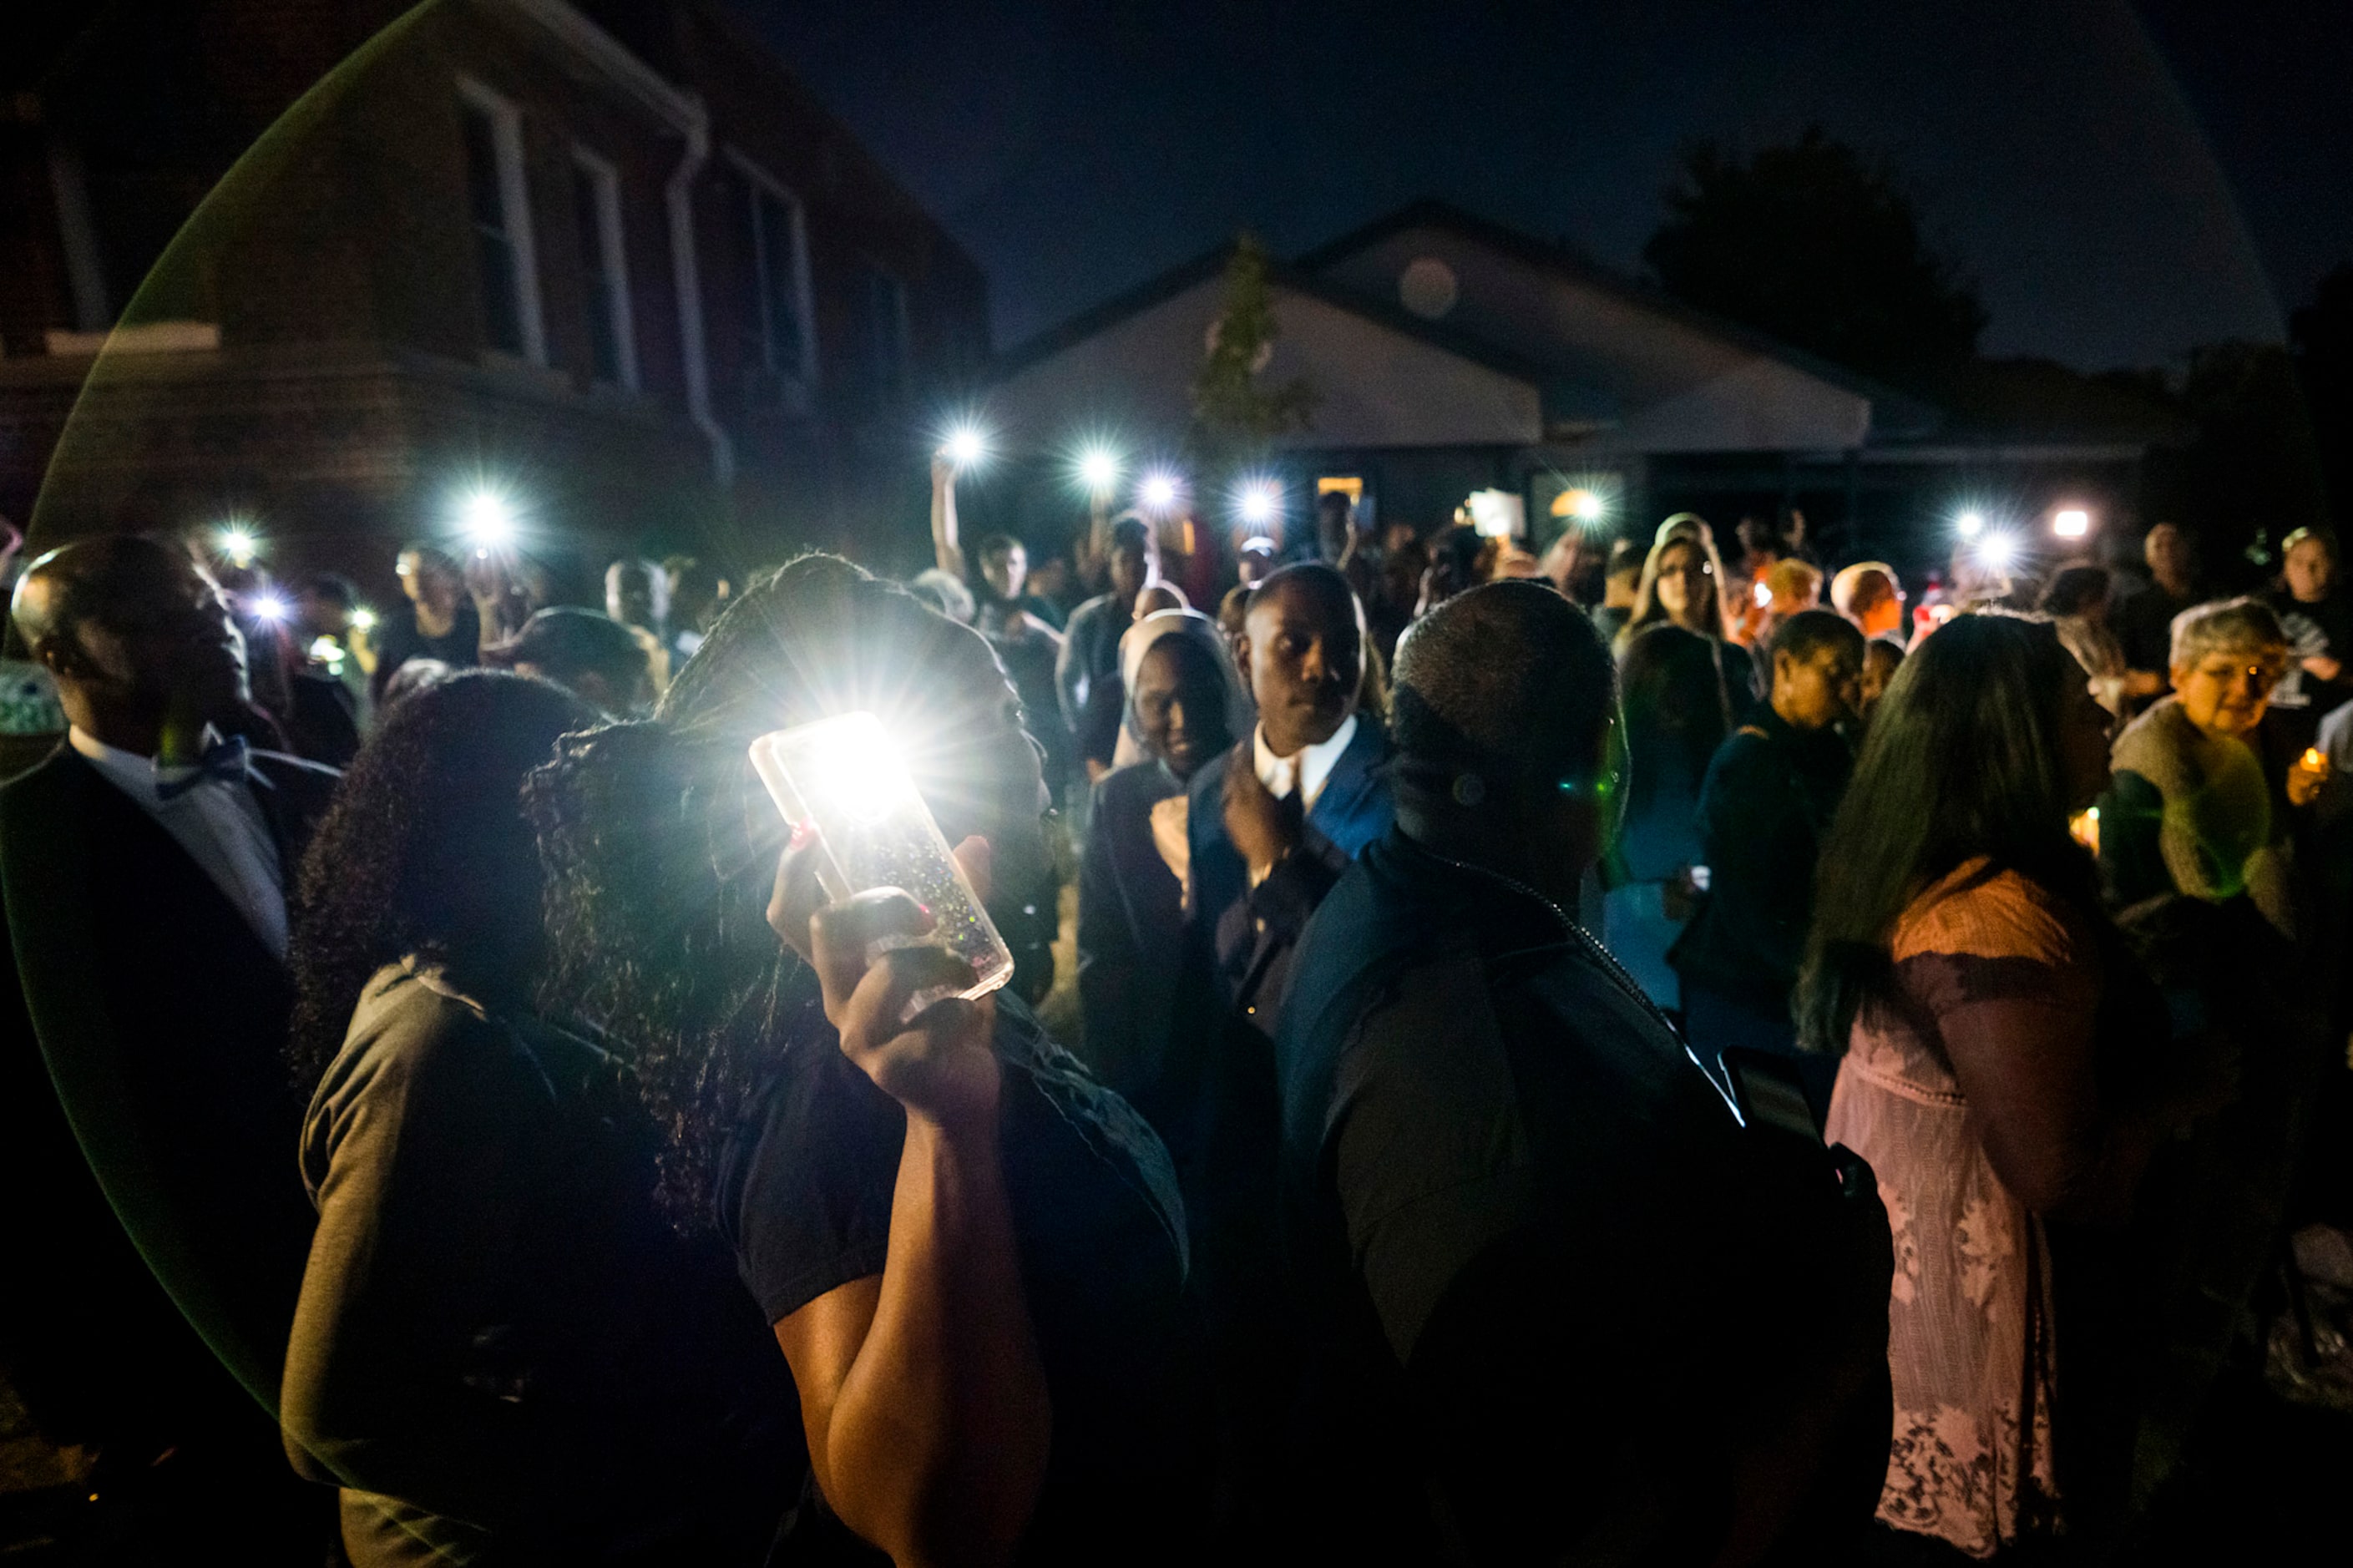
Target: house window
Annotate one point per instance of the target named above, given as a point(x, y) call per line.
point(596, 205)
point(885, 346)
point(498, 205)
point(778, 240)
point(85, 268)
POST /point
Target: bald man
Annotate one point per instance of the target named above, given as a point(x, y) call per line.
point(144, 866)
point(2144, 620)
point(1563, 1305)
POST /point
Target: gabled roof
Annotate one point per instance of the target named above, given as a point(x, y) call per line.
point(1387, 377)
point(1111, 311)
point(1973, 406)
point(1589, 402)
point(1894, 411)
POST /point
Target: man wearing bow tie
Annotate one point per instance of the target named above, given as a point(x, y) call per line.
point(145, 866)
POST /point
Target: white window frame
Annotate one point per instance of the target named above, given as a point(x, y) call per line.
point(85, 268)
point(604, 180)
point(804, 297)
point(514, 205)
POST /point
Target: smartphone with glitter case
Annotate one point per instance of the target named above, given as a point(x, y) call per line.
point(844, 775)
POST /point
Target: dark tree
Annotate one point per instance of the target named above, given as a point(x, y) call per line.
point(2251, 472)
point(1236, 414)
point(1819, 247)
point(2320, 336)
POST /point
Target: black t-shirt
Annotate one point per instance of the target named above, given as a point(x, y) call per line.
point(2321, 628)
point(1099, 725)
point(2144, 627)
point(1769, 798)
point(804, 1197)
point(397, 641)
point(1029, 665)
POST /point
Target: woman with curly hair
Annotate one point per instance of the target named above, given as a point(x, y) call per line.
point(502, 1353)
point(970, 1253)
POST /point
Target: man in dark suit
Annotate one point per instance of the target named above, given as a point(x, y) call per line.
point(144, 867)
point(1274, 822)
point(1271, 827)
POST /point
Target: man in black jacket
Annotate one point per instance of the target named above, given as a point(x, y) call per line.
point(1561, 1302)
point(144, 866)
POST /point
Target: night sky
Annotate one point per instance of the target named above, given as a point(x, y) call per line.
point(2123, 181)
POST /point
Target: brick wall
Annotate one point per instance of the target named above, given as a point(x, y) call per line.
point(353, 391)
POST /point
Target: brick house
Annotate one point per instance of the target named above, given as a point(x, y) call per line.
point(324, 266)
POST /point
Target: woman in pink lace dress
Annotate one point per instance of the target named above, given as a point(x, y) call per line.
point(1960, 961)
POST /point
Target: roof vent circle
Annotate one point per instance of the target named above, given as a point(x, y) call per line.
point(1428, 287)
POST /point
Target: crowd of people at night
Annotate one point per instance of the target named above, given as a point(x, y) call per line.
point(1662, 1050)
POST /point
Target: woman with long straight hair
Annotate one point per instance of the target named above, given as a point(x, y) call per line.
point(2000, 1071)
point(1677, 713)
point(1683, 585)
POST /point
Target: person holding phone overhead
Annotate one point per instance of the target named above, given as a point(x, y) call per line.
point(972, 1254)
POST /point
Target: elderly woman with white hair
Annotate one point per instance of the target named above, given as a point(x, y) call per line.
point(2197, 840)
point(2193, 810)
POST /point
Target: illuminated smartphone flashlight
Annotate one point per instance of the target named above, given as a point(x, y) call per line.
point(874, 831)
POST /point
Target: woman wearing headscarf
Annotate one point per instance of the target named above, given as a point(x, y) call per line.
point(1185, 705)
point(1101, 731)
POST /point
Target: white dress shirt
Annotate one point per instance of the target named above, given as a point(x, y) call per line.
point(1316, 765)
point(217, 821)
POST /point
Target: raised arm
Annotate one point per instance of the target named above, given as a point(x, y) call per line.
point(923, 1397)
point(1071, 681)
point(947, 547)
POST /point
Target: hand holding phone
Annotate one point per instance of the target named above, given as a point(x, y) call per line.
point(842, 779)
point(897, 1003)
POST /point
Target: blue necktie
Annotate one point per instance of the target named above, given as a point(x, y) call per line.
point(223, 760)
